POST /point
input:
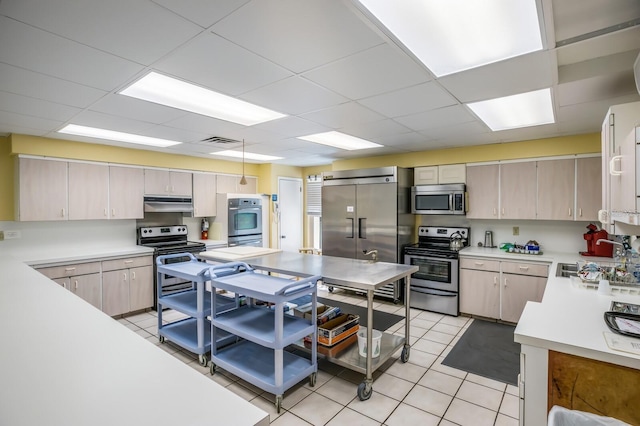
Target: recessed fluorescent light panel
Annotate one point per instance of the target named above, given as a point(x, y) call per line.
point(93, 132)
point(340, 140)
point(455, 35)
point(179, 94)
point(247, 155)
point(512, 112)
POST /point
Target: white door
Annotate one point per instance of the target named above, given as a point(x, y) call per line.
point(290, 206)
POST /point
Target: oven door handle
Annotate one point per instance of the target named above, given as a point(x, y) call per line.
point(433, 292)
point(160, 259)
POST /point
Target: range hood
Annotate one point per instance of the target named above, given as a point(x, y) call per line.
point(168, 205)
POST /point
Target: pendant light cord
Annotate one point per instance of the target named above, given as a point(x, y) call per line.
point(243, 180)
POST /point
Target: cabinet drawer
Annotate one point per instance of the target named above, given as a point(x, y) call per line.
point(479, 264)
point(523, 268)
point(70, 270)
point(127, 262)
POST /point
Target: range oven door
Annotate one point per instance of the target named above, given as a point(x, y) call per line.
point(439, 273)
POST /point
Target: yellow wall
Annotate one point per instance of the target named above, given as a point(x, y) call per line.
point(6, 180)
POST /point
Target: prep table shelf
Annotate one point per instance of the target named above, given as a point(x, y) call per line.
point(261, 358)
point(192, 333)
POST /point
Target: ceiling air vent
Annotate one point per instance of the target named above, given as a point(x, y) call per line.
point(220, 140)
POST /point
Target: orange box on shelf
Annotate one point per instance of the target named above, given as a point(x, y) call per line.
point(338, 329)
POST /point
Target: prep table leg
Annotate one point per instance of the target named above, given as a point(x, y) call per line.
point(407, 316)
point(365, 389)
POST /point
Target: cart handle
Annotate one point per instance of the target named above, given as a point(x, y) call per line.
point(235, 267)
point(159, 260)
point(297, 286)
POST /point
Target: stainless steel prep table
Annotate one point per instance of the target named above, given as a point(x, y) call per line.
point(356, 274)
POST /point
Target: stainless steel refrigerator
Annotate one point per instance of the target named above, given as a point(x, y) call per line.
point(364, 210)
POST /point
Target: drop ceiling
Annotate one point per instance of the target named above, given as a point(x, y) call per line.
point(323, 63)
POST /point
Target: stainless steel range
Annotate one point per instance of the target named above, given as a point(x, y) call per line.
point(168, 240)
point(435, 286)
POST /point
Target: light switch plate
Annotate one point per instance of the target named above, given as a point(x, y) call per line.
point(10, 235)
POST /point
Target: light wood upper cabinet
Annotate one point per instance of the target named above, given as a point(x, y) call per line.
point(41, 189)
point(88, 191)
point(204, 194)
point(588, 188)
point(448, 173)
point(518, 193)
point(230, 184)
point(482, 191)
point(126, 192)
point(167, 182)
point(427, 175)
point(556, 189)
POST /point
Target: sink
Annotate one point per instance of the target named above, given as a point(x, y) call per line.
point(567, 270)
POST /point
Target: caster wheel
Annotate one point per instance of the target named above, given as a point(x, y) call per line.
point(396, 301)
point(312, 379)
point(202, 359)
point(405, 354)
point(212, 369)
point(278, 403)
point(363, 392)
point(161, 338)
point(330, 289)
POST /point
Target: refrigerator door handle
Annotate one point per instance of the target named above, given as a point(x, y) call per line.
point(351, 232)
point(362, 227)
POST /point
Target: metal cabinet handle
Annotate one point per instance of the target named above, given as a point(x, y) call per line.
point(128, 261)
point(580, 212)
point(62, 212)
point(612, 165)
point(505, 283)
point(76, 284)
point(124, 276)
point(73, 268)
point(495, 280)
point(106, 212)
point(570, 212)
point(133, 275)
point(362, 228)
point(113, 212)
point(478, 263)
point(351, 219)
point(524, 268)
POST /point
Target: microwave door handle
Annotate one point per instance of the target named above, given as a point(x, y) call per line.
point(451, 197)
point(350, 231)
point(362, 228)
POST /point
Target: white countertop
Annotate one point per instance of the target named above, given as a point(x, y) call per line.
point(66, 363)
point(65, 254)
point(569, 319)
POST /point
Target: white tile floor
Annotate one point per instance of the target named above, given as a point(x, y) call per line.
point(422, 391)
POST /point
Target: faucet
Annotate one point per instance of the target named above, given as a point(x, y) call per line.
point(373, 253)
point(620, 251)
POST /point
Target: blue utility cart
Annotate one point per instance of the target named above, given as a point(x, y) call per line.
point(260, 357)
point(192, 333)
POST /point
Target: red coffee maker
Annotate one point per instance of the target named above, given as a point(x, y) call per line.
point(593, 249)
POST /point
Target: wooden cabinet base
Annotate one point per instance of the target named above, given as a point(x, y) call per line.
point(594, 386)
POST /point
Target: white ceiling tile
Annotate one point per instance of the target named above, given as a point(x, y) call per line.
point(376, 130)
point(12, 122)
point(204, 124)
point(109, 122)
point(597, 88)
point(343, 115)
point(446, 116)
point(371, 72)
point(291, 126)
point(216, 63)
point(517, 75)
point(609, 44)
point(203, 12)
point(143, 34)
point(132, 108)
point(299, 34)
point(410, 100)
point(43, 52)
point(40, 86)
point(36, 107)
point(294, 95)
point(173, 134)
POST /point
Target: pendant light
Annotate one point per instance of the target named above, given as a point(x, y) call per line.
point(243, 180)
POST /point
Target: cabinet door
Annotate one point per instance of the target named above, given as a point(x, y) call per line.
point(626, 197)
point(518, 192)
point(482, 184)
point(250, 188)
point(425, 175)
point(452, 173)
point(204, 194)
point(480, 293)
point(556, 189)
point(126, 192)
point(517, 290)
point(156, 182)
point(42, 190)
point(588, 188)
point(88, 287)
point(226, 184)
point(88, 191)
point(115, 292)
point(181, 184)
point(140, 288)
point(64, 282)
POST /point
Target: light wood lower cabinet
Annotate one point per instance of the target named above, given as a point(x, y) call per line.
point(500, 289)
point(82, 279)
point(127, 285)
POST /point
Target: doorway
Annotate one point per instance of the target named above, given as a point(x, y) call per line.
point(289, 214)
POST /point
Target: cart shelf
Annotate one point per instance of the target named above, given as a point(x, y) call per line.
point(258, 325)
point(187, 303)
point(185, 334)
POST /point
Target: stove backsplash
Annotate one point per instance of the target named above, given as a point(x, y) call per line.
point(160, 219)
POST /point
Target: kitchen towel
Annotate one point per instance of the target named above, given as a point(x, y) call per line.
point(488, 350)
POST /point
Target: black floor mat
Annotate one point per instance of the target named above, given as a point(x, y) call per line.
point(487, 349)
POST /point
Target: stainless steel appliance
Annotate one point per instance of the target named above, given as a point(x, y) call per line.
point(439, 199)
point(168, 205)
point(168, 240)
point(244, 222)
point(435, 286)
point(488, 239)
point(365, 210)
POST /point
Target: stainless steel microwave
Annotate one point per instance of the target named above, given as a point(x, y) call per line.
point(439, 199)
